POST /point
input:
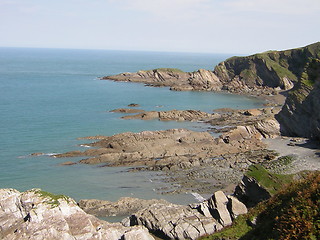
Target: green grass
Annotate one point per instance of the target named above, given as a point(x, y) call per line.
point(292, 213)
point(271, 181)
point(239, 228)
point(53, 199)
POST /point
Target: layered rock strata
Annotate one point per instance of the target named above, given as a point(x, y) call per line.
point(173, 78)
point(259, 74)
point(189, 222)
point(162, 148)
point(173, 115)
point(300, 115)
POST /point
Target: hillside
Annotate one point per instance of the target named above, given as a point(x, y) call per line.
point(300, 115)
point(258, 74)
point(292, 213)
point(272, 69)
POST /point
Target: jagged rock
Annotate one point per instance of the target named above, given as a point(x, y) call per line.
point(266, 128)
point(300, 115)
point(218, 208)
point(175, 221)
point(35, 214)
point(250, 192)
point(174, 78)
point(236, 207)
point(124, 206)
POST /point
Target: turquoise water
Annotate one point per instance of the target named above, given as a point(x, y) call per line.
point(50, 97)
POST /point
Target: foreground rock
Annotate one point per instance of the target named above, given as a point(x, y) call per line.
point(189, 222)
point(123, 207)
point(35, 214)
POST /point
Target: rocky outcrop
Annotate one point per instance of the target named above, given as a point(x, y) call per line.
point(35, 214)
point(173, 115)
point(170, 149)
point(260, 74)
point(174, 78)
point(300, 115)
point(123, 207)
point(189, 222)
point(175, 221)
point(273, 69)
point(251, 192)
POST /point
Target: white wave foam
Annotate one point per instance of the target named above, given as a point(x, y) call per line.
point(198, 197)
point(84, 145)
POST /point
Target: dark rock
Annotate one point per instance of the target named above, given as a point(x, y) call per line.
point(250, 192)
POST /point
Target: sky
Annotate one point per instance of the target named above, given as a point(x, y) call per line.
point(210, 26)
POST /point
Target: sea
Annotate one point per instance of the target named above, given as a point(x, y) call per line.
point(51, 97)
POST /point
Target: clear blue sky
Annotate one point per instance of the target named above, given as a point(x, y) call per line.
point(216, 26)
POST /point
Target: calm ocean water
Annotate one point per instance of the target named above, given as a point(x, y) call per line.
point(50, 97)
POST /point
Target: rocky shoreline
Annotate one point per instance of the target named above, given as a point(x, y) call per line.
point(189, 161)
point(250, 140)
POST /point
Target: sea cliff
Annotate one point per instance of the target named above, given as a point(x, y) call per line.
point(258, 74)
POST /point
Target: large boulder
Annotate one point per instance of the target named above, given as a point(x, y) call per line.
point(251, 192)
point(38, 215)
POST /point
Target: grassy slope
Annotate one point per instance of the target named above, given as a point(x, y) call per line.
point(292, 213)
point(270, 67)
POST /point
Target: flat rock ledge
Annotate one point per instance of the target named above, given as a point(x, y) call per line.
point(38, 215)
point(123, 207)
point(173, 115)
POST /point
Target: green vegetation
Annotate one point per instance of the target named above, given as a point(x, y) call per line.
point(271, 67)
point(270, 181)
point(293, 213)
point(53, 199)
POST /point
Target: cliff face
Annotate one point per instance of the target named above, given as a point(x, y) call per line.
point(300, 115)
point(271, 69)
point(256, 74)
